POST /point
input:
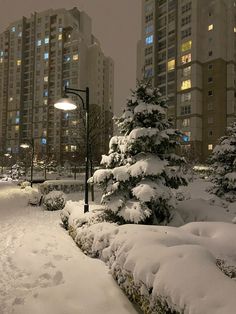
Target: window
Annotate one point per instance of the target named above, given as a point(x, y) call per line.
point(210, 27)
point(73, 148)
point(149, 29)
point(60, 37)
point(186, 84)
point(46, 55)
point(210, 79)
point(210, 133)
point(148, 73)
point(186, 122)
point(75, 57)
point(186, 45)
point(234, 29)
point(45, 102)
point(16, 128)
point(210, 120)
point(45, 93)
point(210, 106)
point(39, 42)
point(185, 33)
point(149, 40)
point(13, 29)
point(210, 93)
point(187, 71)
point(46, 40)
point(18, 62)
point(45, 78)
point(210, 53)
point(186, 20)
point(186, 7)
point(186, 58)
point(210, 147)
point(187, 136)
point(185, 97)
point(210, 66)
point(171, 65)
point(185, 110)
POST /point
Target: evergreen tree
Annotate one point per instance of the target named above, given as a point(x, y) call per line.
point(142, 167)
point(223, 162)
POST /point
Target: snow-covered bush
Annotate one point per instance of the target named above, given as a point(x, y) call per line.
point(223, 162)
point(54, 200)
point(142, 167)
point(24, 184)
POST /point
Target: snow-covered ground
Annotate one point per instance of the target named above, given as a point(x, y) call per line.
point(42, 269)
point(189, 267)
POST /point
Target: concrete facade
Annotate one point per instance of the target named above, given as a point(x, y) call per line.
point(188, 50)
point(38, 57)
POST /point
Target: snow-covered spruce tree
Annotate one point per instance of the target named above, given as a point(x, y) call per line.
point(223, 162)
point(142, 166)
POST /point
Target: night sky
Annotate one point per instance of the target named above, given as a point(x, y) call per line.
point(116, 23)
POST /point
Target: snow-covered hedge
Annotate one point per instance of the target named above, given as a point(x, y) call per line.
point(67, 186)
point(164, 269)
point(54, 200)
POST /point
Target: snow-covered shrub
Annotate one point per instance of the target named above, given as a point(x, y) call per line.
point(223, 162)
point(24, 184)
point(54, 200)
point(142, 166)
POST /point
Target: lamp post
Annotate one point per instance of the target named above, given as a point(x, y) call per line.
point(27, 145)
point(67, 104)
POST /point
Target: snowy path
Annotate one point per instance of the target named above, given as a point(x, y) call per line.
point(42, 270)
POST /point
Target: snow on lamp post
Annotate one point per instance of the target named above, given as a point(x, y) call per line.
point(67, 104)
point(28, 145)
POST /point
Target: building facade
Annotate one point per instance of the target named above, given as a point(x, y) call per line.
point(188, 50)
point(38, 57)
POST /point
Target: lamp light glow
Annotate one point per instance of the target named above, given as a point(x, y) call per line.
point(65, 104)
point(24, 145)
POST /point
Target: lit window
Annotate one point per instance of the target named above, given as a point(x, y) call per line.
point(186, 58)
point(45, 78)
point(187, 136)
point(234, 29)
point(67, 58)
point(186, 122)
point(187, 71)
point(17, 120)
point(45, 101)
point(20, 34)
point(210, 147)
point(1, 53)
point(45, 93)
point(186, 45)
point(18, 62)
point(1, 60)
point(60, 29)
point(73, 148)
point(39, 42)
point(210, 27)
point(171, 65)
point(46, 55)
point(66, 148)
point(75, 57)
point(17, 128)
point(60, 37)
point(13, 29)
point(46, 40)
point(11, 98)
point(43, 141)
point(149, 40)
point(186, 84)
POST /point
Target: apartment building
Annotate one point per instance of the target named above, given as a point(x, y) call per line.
point(38, 57)
point(188, 50)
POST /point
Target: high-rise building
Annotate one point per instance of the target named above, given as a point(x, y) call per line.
point(38, 57)
point(188, 50)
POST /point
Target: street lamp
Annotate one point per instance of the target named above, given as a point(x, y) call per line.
point(28, 145)
point(67, 104)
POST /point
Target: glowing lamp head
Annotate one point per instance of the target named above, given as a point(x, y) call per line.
point(24, 146)
point(65, 104)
